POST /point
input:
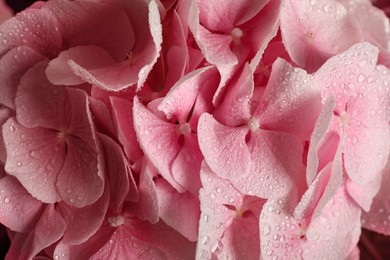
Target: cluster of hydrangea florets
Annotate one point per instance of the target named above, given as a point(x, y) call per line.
point(194, 129)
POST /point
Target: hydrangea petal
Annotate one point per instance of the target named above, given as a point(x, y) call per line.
point(16, 201)
point(13, 66)
point(178, 210)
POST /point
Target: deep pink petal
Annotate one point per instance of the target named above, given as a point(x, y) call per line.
point(37, 158)
point(48, 107)
point(59, 71)
point(147, 206)
point(48, 230)
point(222, 17)
point(117, 172)
point(19, 211)
point(178, 210)
point(33, 28)
point(123, 116)
point(82, 223)
point(13, 65)
point(5, 12)
point(90, 23)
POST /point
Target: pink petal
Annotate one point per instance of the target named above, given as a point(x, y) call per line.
point(48, 230)
point(224, 147)
point(37, 158)
point(59, 71)
point(292, 100)
point(82, 223)
point(283, 236)
point(357, 84)
point(32, 28)
point(16, 201)
point(271, 176)
point(321, 190)
point(181, 98)
point(186, 166)
point(178, 210)
point(147, 206)
point(235, 108)
point(5, 11)
point(158, 139)
point(123, 116)
point(307, 40)
point(378, 218)
point(5, 114)
point(117, 173)
point(48, 108)
point(215, 217)
point(14, 65)
point(319, 142)
point(222, 17)
point(89, 23)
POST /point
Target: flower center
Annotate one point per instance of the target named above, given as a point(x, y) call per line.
point(309, 37)
point(116, 221)
point(344, 118)
point(253, 124)
point(236, 34)
point(185, 128)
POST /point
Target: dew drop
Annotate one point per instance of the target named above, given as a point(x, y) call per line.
point(6, 200)
point(12, 128)
point(212, 195)
point(19, 164)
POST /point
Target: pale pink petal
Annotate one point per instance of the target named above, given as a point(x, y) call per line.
point(134, 240)
point(358, 86)
point(321, 145)
point(321, 190)
point(313, 32)
point(215, 217)
point(378, 218)
point(224, 148)
point(276, 165)
point(292, 101)
point(283, 236)
point(235, 108)
point(373, 22)
point(13, 65)
point(181, 98)
point(178, 210)
point(19, 211)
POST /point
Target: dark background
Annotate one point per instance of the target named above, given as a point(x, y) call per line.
point(19, 5)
